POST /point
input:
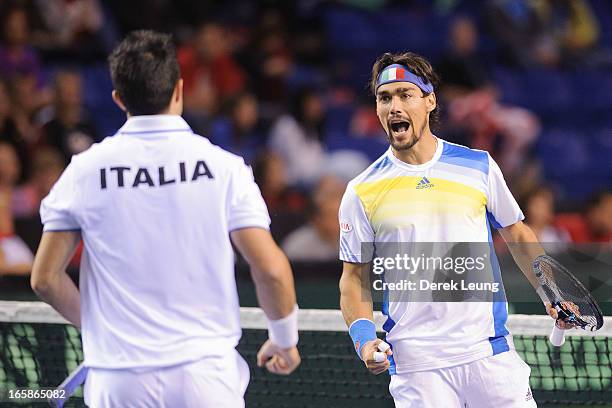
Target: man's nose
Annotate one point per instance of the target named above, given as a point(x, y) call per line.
point(395, 104)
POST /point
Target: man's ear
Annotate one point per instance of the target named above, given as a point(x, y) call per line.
point(118, 101)
point(178, 90)
point(431, 102)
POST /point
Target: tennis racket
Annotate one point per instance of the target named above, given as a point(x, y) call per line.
point(573, 302)
point(69, 386)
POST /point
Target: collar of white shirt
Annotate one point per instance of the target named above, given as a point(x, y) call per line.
point(154, 124)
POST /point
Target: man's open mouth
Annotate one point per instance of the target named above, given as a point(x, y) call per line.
point(399, 126)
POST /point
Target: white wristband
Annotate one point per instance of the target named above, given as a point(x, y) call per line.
point(284, 332)
point(542, 295)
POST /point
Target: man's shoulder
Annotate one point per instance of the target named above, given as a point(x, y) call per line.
point(373, 172)
point(193, 143)
point(463, 156)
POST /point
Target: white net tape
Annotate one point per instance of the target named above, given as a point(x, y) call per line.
point(308, 319)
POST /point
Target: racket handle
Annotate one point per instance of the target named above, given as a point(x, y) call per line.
point(381, 354)
point(557, 336)
point(382, 346)
point(379, 357)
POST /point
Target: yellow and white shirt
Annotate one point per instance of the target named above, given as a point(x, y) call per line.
point(454, 197)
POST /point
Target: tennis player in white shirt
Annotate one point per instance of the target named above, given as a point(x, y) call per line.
point(427, 190)
point(156, 206)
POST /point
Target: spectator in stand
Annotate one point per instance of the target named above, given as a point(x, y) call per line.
point(239, 130)
point(270, 58)
point(69, 128)
point(28, 102)
point(9, 132)
point(543, 33)
point(209, 71)
point(539, 207)
point(20, 67)
point(317, 240)
point(15, 256)
point(17, 56)
point(521, 33)
point(70, 29)
point(270, 174)
point(507, 132)
point(285, 204)
point(596, 223)
point(297, 139)
point(47, 165)
point(571, 27)
point(462, 68)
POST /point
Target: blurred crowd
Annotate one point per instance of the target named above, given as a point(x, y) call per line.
point(267, 82)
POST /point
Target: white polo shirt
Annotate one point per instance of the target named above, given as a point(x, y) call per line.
point(155, 204)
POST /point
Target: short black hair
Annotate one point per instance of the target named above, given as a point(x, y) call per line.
point(418, 65)
point(144, 70)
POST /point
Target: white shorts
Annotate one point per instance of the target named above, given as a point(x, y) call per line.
point(218, 382)
point(500, 381)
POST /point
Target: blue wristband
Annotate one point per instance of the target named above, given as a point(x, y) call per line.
point(362, 331)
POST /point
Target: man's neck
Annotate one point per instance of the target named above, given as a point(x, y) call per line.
point(422, 152)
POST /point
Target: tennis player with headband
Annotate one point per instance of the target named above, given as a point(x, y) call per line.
point(156, 205)
point(424, 189)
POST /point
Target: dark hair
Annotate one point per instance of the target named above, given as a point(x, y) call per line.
point(417, 65)
point(144, 71)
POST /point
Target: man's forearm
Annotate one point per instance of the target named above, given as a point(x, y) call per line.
point(355, 300)
point(524, 247)
point(63, 295)
point(275, 289)
point(49, 278)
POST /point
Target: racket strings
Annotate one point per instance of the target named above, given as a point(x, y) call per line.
point(570, 295)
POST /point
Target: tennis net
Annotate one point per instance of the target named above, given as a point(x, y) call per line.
point(38, 349)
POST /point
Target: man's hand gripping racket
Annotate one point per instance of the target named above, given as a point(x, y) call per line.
point(566, 299)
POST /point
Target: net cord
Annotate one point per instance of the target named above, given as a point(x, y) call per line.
point(308, 319)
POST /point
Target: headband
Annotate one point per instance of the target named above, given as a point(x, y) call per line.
point(401, 73)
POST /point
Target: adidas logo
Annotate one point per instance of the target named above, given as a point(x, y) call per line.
point(424, 183)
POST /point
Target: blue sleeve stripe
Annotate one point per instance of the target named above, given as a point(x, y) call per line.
point(493, 221)
point(465, 157)
point(343, 255)
point(465, 162)
point(381, 164)
point(498, 342)
point(349, 255)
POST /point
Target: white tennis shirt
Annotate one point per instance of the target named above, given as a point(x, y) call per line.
point(155, 204)
point(453, 198)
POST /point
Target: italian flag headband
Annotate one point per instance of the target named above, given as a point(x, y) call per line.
point(401, 73)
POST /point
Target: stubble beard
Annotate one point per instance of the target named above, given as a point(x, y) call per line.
point(407, 146)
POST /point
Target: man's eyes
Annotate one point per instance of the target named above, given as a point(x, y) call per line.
point(405, 95)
